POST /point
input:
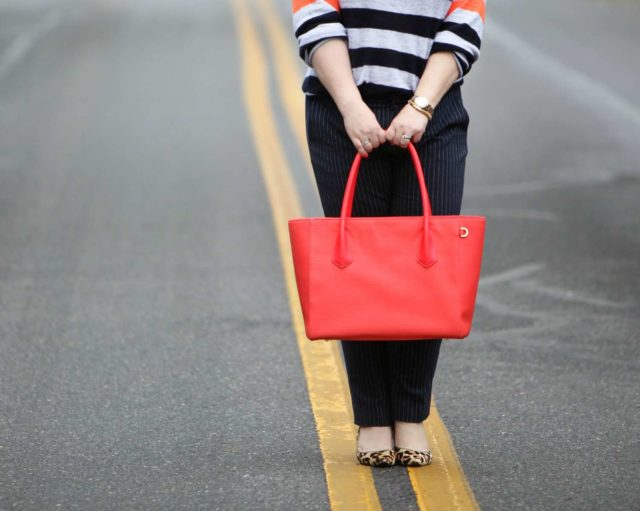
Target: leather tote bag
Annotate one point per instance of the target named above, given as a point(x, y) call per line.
point(387, 278)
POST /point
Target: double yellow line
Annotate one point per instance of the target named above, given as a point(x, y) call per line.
point(350, 486)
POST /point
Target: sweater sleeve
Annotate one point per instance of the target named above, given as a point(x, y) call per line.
point(315, 21)
point(461, 32)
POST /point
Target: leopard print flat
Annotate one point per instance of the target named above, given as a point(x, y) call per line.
point(412, 458)
point(383, 458)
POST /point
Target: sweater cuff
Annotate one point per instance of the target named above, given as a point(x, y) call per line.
point(310, 51)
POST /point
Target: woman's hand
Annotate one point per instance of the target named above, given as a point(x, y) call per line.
point(410, 124)
point(333, 67)
point(362, 127)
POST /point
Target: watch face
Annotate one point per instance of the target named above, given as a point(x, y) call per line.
point(421, 101)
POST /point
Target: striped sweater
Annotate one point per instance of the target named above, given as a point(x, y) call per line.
point(389, 41)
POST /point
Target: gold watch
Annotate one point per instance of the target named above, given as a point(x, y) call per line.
point(422, 105)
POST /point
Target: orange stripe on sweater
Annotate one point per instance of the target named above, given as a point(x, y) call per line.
point(299, 4)
point(469, 5)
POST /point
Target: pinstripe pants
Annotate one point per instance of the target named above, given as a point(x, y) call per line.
point(390, 380)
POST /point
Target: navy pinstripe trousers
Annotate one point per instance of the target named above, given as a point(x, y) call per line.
point(390, 380)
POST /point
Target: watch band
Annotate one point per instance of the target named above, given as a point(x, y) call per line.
point(426, 110)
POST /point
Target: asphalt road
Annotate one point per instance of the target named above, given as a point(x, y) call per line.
point(147, 359)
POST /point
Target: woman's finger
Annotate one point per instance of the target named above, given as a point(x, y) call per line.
point(417, 137)
point(373, 141)
point(391, 132)
point(359, 147)
point(356, 140)
point(365, 140)
point(367, 144)
point(401, 135)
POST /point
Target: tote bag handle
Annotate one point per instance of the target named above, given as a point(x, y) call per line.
point(427, 252)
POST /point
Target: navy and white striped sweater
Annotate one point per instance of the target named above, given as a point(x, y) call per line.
point(389, 41)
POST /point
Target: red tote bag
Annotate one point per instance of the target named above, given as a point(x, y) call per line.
point(387, 278)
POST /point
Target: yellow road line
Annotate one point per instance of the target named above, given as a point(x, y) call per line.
point(288, 73)
point(350, 486)
point(290, 93)
point(442, 485)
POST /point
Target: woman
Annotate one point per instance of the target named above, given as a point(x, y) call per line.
point(383, 73)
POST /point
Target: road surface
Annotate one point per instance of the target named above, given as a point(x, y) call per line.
point(148, 358)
